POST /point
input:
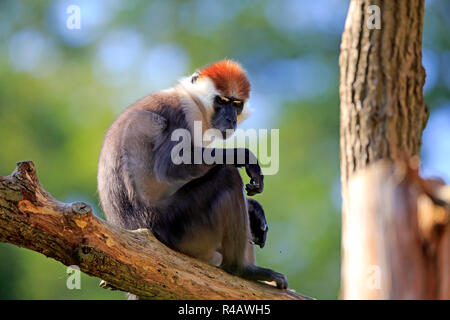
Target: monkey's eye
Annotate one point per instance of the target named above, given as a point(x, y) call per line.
point(238, 105)
point(221, 100)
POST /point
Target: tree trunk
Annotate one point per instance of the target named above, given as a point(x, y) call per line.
point(388, 251)
point(383, 112)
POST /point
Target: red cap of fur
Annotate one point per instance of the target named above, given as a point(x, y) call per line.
point(229, 78)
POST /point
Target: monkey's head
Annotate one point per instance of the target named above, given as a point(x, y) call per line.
point(223, 89)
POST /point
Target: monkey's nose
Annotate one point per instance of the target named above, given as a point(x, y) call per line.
point(231, 122)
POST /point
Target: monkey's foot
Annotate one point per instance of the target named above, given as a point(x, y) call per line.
point(281, 280)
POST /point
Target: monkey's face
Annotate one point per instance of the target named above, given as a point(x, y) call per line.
point(222, 90)
point(226, 112)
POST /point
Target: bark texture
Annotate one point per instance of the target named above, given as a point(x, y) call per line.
point(383, 112)
point(131, 261)
point(393, 244)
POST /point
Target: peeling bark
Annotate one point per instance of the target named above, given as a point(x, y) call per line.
point(397, 235)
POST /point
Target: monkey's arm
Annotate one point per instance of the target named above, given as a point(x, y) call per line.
point(241, 157)
point(142, 125)
point(167, 170)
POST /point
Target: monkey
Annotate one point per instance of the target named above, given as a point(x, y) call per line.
point(198, 209)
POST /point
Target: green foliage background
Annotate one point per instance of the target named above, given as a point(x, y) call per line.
point(57, 111)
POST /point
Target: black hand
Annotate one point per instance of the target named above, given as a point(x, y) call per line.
point(256, 184)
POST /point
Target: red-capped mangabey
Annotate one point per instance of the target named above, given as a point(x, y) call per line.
point(198, 209)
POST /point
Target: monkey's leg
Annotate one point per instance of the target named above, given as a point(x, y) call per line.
point(209, 215)
point(193, 219)
point(244, 267)
point(252, 272)
point(258, 226)
point(237, 251)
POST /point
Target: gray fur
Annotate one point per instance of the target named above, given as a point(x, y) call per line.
point(197, 209)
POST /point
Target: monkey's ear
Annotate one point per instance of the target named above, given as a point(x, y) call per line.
point(195, 76)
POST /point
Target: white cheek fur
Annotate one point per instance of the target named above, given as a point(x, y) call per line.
point(202, 89)
point(246, 112)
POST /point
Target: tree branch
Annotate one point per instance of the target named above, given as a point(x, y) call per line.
point(131, 261)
